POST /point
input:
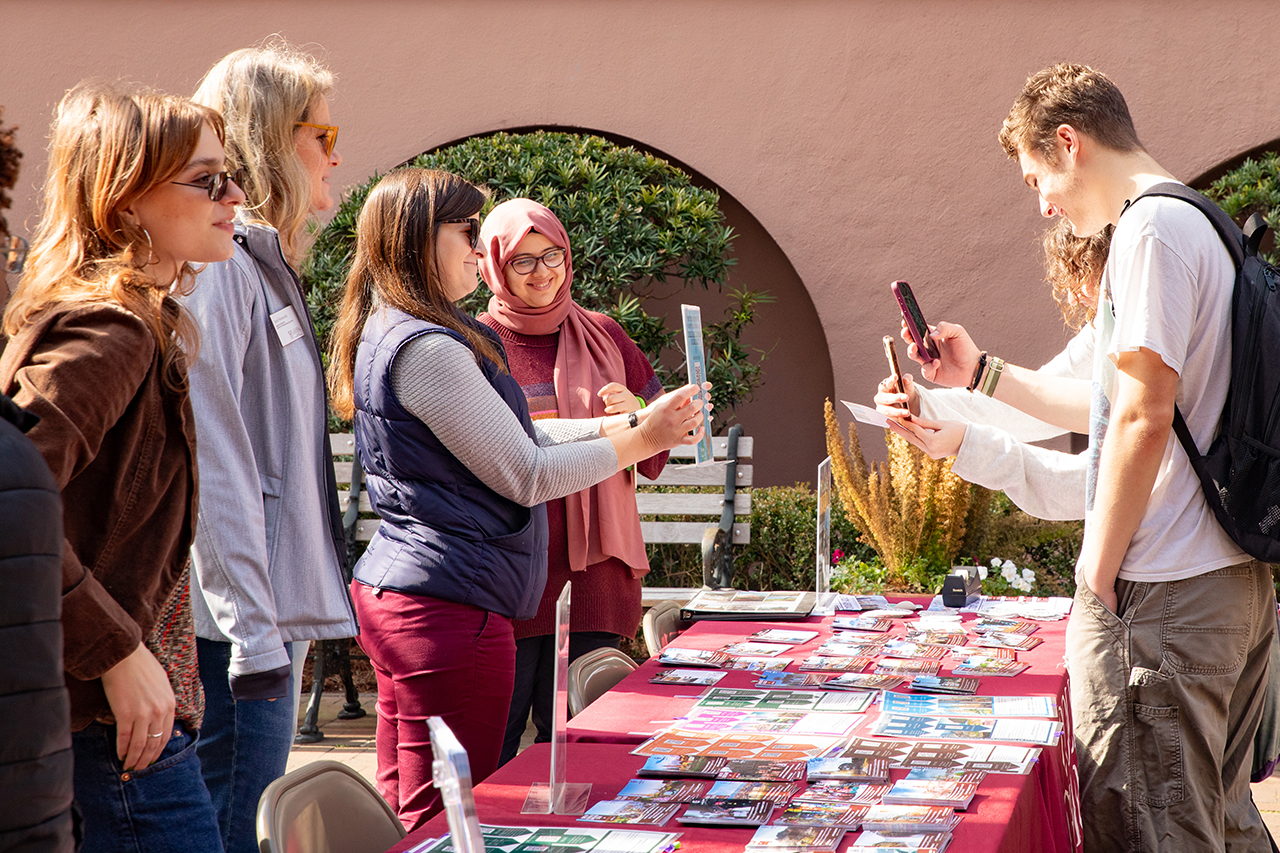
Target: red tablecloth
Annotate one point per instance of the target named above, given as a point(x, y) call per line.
point(1003, 817)
point(1011, 813)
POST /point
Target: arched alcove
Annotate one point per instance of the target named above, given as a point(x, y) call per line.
point(785, 415)
point(1207, 177)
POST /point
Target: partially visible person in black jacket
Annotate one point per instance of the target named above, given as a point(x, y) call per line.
point(35, 740)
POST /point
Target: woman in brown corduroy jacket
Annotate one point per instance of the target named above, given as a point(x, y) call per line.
point(97, 350)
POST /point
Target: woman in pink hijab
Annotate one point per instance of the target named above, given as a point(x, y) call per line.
point(571, 363)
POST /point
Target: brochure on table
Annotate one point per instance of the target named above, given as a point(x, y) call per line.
point(697, 367)
point(782, 733)
point(559, 796)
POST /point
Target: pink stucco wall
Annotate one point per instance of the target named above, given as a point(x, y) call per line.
point(859, 135)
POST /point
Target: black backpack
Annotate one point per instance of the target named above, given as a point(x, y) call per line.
point(1240, 472)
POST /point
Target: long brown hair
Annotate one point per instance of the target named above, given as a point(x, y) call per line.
point(1074, 267)
point(395, 260)
point(262, 92)
point(110, 148)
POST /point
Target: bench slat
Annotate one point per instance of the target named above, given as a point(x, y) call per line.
point(672, 475)
point(699, 475)
point(344, 444)
point(651, 595)
point(648, 503)
point(659, 503)
point(719, 448)
point(687, 532)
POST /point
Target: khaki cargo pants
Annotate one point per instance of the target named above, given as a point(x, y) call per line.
point(1165, 700)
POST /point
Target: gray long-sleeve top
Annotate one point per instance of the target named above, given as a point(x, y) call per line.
point(437, 380)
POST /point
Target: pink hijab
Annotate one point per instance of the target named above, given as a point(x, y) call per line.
point(602, 520)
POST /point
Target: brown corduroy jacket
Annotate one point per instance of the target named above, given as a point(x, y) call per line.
point(122, 449)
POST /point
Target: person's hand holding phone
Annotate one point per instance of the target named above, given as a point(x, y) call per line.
point(894, 403)
point(957, 355)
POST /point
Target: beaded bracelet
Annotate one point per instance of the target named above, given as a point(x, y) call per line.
point(977, 374)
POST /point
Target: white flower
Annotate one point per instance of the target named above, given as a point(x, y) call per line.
point(995, 562)
point(1029, 574)
point(982, 573)
point(1008, 564)
point(1009, 572)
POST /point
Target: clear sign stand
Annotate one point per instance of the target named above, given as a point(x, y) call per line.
point(451, 772)
point(559, 796)
point(825, 604)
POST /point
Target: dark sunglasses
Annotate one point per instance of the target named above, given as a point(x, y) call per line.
point(330, 135)
point(473, 226)
point(216, 185)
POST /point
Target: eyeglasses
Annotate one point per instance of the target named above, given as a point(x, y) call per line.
point(330, 134)
point(15, 254)
point(216, 185)
point(550, 259)
point(473, 225)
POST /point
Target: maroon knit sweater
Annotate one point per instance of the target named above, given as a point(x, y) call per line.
point(605, 596)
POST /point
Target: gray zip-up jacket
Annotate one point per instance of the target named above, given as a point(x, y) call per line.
point(269, 543)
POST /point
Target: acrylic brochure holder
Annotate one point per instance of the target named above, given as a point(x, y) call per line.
point(559, 796)
point(451, 772)
point(825, 601)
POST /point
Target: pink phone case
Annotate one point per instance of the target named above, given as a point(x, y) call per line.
point(916, 324)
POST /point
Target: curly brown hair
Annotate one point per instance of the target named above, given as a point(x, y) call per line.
point(1074, 267)
point(1075, 95)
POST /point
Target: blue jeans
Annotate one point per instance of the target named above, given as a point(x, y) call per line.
point(244, 747)
point(158, 809)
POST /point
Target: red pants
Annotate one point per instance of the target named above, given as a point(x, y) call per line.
point(433, 658)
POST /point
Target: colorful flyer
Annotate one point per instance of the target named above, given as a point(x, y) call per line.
point(695, 362)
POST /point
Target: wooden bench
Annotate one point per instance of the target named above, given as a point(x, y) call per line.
point(703, 498)
point(706, 505)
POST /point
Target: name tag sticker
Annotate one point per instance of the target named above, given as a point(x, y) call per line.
point(287, 326)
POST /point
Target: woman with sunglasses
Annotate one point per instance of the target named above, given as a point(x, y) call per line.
point(98, 350)
point(458, 472)
point(269, 549)
point(570, 363)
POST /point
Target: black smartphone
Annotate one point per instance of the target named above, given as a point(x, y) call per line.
point(892, 355)
point(916, 325)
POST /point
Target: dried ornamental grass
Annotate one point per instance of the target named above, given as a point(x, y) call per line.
point(910, 509)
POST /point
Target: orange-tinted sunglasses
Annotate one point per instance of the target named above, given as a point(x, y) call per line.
point(330, 134)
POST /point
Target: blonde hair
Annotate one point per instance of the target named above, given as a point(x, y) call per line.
point(1074, 268)
point(395, 260)
point(262, 92)
point(110, 148)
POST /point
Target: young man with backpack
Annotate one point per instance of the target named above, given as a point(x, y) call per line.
point(1169, 638)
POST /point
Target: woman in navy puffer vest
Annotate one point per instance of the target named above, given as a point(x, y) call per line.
point(458, 474)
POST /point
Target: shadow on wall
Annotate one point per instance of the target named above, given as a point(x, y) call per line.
point(785, 415)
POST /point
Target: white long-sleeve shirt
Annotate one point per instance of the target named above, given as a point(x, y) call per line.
point(1045, 483)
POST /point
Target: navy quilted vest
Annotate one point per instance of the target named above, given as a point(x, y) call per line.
point(444, 533)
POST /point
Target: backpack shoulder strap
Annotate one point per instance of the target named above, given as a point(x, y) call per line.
point(1226, 228)
point(1232, 237)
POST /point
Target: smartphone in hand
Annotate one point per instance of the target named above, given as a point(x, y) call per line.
point(916, 325)
point(894, 370)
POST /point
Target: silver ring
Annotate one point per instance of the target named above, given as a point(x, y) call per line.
point(157, 734)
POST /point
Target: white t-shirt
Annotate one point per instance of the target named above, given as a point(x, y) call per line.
point(1167, 287)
